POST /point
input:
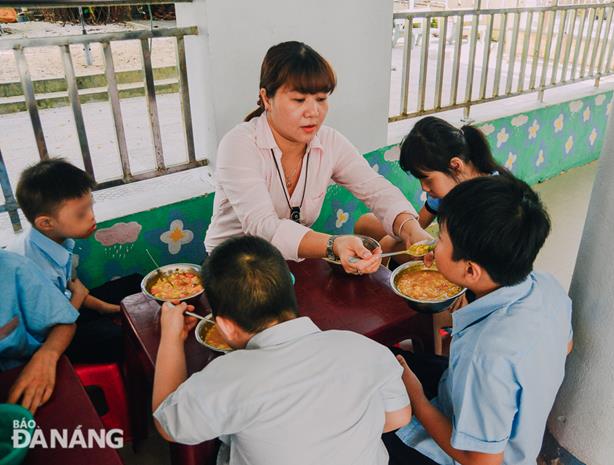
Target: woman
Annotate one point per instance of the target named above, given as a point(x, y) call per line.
point(273, 170)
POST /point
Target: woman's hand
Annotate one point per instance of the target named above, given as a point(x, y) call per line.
point(346, 247)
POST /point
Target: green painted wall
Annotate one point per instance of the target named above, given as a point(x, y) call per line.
point(535, 146)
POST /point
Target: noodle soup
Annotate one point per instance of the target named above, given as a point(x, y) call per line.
point(425, 285)
point(178, 284)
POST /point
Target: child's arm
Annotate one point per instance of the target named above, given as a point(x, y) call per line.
point(35, 384)
point(425, 217)
point(397, 419)
point(438, 426)
point(171, 368)
point(100, 305)
point(79, 293)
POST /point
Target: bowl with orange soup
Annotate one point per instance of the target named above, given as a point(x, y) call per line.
point(424, 288)
point(207, 334)
point(178, 281)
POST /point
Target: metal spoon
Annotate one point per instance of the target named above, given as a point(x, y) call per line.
point(429, 242)
point(160, 274)
point(188, 313)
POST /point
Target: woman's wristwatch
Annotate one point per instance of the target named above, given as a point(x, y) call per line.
point(330, 253)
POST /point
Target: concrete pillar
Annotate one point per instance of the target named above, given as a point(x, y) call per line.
point(199, 78)
point(582, 418)
point(354, 35)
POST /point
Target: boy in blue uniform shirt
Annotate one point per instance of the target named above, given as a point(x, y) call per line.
point(36, 327)
point(56, 197)
point(509, 343)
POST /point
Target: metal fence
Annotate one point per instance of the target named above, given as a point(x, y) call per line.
point(533, 49)
point(105, 40)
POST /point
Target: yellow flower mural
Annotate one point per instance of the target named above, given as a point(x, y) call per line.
point(342, 218)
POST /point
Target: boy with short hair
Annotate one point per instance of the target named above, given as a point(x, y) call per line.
point(56, 198)
point(36, 327)
point(290, 393)
point(509, 343)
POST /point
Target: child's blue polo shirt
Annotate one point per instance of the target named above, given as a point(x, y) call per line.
point(507, 362)
point(53, 258)
point(30, 307)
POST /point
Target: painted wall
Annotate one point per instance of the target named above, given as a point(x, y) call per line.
point(236, 36)
point(534, 146)
point(582, 416)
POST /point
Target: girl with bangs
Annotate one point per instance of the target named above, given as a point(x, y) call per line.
point(440, 156)
point(273, 170)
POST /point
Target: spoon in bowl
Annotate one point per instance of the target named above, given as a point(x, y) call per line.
point(417, 249)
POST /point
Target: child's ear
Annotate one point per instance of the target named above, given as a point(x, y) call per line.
point(229, 329)
point(43, 223)
point(457, 164)
point(473, 272)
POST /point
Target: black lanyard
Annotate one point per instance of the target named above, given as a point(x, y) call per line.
point(295, 212)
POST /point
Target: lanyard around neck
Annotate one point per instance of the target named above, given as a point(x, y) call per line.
point(295, 212)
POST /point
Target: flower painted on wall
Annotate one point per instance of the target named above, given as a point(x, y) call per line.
point(558, 123)
point(593, 137)
point(392, 154)
point(342, 218)
point(569, 144)
point(502, 137)
point(533, 129)
point(511, 159)
point(520, 120)
point(176, 237)
point(540, 158)
point(576, 106)
point(599, 100)
point(586, 114)
point(375, 168)
point(487, 129)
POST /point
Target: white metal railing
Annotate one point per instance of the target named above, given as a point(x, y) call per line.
point(105, 40)
point(533, 49)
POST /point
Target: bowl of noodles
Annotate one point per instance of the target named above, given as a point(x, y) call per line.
point(179, 281)
point(424, 288)
point(207, 334)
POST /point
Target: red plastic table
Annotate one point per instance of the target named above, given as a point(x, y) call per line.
point(68, 408)
point(332, 299)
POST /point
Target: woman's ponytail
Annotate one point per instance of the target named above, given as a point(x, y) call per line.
point(257, 112)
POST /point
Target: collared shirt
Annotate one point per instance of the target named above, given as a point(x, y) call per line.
point(30, 307)
point(251, 199)
point(53, 258)
point(507, 362)
point(295, 395)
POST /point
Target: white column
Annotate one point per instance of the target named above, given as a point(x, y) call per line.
point(583, 417)
point(199, 77)
point(354, 35)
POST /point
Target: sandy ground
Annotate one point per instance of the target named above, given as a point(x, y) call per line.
point(46, 62)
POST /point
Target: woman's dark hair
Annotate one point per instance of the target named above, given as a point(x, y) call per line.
point(497, 222)
point(297, 66)
point(247, 280)
point(433, 142)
